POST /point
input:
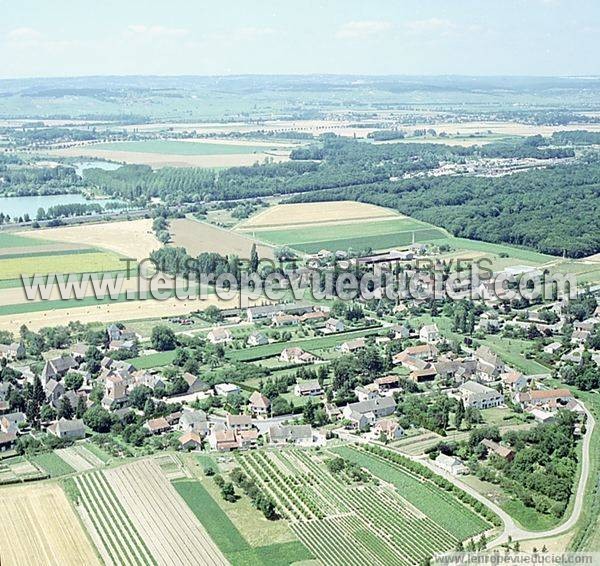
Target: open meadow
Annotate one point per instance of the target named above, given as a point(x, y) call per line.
point(39, 526)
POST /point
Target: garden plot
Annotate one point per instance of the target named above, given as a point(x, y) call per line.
point(79, 458)
point(172, 467)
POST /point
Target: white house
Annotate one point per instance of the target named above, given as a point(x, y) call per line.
point(226, 389)
point(480, 396)
point(219, 336)
point(429, 333)
point(451, 465)
point(333, 325)
point(310, 387)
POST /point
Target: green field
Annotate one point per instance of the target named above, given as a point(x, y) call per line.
point(53, 464)
point(227, 537)
point(8, 240)
point(171, 147)
point(14, 267)
point(153, 360)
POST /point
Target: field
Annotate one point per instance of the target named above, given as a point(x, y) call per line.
point(38, 526)
point(344, 522)
point(53, 464)
point(130, 238)
point(197, 237)
point(176, 153)
point(141, 497)
point(312, 227)
point(79, 458)
point(9, 240)
point(228, 538)
point(18, 469)
point(284, 215)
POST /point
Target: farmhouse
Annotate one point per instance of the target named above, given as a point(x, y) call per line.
point(195, 384)
point(552, 348)
point(193, 421)
point(387, 382)
point(401, 332)
point(219, 336)
point(503, 451)
point(333, 325)
point(11, 421)
point(541, 416)
point(68, 429)
point(158, 426)
point(550, 397)
point(367, 392)
point(489, 364)
point(238, 422)
point(514, 380)
point(409, 362)
point(389, 429)
point(423, 375)
point(223, 440)
point(426, 352)
point(57, 368)
point(7, 440)
point(280, 320)
point(314, 316)
point(310, 387)
point(480, 396)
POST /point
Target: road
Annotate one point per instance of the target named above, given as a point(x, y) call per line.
point(511, 528)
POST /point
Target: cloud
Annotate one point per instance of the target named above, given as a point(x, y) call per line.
point(431, 25)
point(155, 32)
point(24, 35)
point(363, 29)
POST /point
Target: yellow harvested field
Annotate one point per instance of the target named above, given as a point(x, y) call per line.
point(315, 212)
point(114, 312)
point(39, 526)
point(130, 238)
point(158, 160)
point(197, 237)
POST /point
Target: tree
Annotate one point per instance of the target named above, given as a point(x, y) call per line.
point(163, 338)
point(73, 381)
point(65, 409)
point(47, 413)
point(81, 407)
point(228, 492)
point(254, 259)
point(139, 395)
point(98, 419)
point(459, 415)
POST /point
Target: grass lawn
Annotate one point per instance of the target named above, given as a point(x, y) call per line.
point(8, 240)
point(173, 147)
point(308, 344)
point(228, 538)
point(153, 360)
point(53, 464)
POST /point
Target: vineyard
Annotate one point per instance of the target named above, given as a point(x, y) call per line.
point(346, 522)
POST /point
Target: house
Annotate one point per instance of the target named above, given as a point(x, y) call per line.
point(409, 362)
point(7, 440)
point(190, 441)
point(310, 387)
point(195, 384)
point(226, 389)
point(259, 404)
point(332, 411)
point(551, 397)
point(541, 416)
point(54, 391)
point(401, 332)
point(257, 339)
point(115, 333)
point(503, 451)
point(290, 434)
point(480, 396)
point(297, 356)
point(353, 345)
point(451, 464)
point(116, 345)
point(367, 392)
point(68, 429)
point(223, 440)
point(457, 370)
point(488, 322)
point(489, 364)
point(193, 421)
point(580, 336)
point(151, 380)
point(314, 316)
point(366, 413)
point(386, 383)
point(238, 422)
point(12, 352)
point(158, 426)
point(57, 368)
point(429, 333)
point(514, 381)
point(423, 375)
point(280, 320)
point(78, 351)
point(427, 352)
point(115, 391)
point(552, 348)
point(333, 325)
point(388, 428)
point(219, 336)
point(11, 422)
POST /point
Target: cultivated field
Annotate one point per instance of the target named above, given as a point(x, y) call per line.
point(334, 226)
point(169, 529)
point(175, 153)
point(197, 237)
point(349, 523)
point(79, 458)
point(38, 526)
point(313, 213)
point(130, 238)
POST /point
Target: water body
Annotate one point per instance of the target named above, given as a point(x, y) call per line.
point(19, 206)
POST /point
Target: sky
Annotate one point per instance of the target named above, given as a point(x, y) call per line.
point(42, 38)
